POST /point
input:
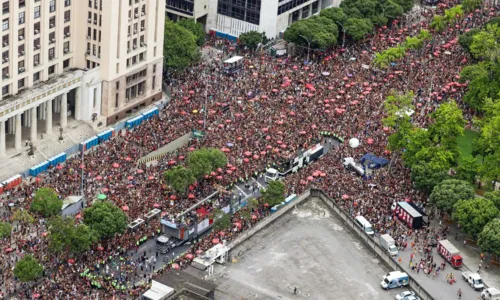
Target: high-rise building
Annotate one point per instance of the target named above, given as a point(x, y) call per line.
point(272, 17)
point(192, 9)
point(80, 59)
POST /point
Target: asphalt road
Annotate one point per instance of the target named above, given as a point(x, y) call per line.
point(438, 287)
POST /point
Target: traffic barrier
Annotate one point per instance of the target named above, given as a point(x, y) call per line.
point(288, 200)
point(106, 135)
point(151, 158)
point(58, 159)
point(134, 122)
point(150, 113)
point(88, 144)
point(41, 167)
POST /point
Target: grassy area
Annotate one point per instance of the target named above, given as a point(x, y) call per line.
point(465, 143)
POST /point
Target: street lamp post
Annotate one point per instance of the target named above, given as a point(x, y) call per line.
point(343, 34)
point(308, 45)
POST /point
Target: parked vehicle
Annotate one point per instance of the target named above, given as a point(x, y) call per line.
point(450, 253)
point(409, 215)
point(404, 295)
point(165, 244)
point(490, 294)
point(474, 280)
point(389, 244)
point(365, 225)
point(395, 279)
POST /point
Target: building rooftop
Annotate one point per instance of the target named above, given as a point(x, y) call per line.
point(183, 282)
point(308, 248)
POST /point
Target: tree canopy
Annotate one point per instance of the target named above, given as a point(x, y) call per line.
point(473, 214)
point(357, 29)
point(205, 160)
point(425, 177)
point(450, 191)
point(222, 220)
point(105, 219)
point(195, 28)
point(66, 237)
point(321, 32)
point(5, 230)
point(179, 178)
point(28, 269)
point(46, 202)
point(252, 39)
point(179, 47)
point(274, 193)
point(489, 238)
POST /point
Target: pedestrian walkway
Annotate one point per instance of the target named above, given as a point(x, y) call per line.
point(18, 161)
point(471, 255)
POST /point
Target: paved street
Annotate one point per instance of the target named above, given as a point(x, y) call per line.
point(438, 287)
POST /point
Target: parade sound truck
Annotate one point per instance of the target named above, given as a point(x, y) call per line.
point(289, 166)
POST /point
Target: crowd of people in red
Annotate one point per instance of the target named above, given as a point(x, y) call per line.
point(268, 111)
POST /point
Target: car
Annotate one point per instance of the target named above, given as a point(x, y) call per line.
point(404, 295)
point(411, 297)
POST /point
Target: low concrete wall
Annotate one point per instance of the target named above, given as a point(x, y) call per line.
point(264, 223)
point(170, 147)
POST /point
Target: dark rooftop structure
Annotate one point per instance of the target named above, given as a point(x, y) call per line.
point(187, 286)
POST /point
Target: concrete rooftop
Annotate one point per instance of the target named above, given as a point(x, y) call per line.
point(308, 248)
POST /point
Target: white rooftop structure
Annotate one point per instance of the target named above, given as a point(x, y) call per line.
point(233, 59)
point(216, 253)
point(158, 291)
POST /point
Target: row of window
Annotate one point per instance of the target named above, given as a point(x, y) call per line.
point(291, 4)
point(21, 64)
point(22, 3)
point(22, 20)
point(21, 83)
point(244, 10)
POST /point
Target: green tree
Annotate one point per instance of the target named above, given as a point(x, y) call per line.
point(274, 193)
point(357, 29)
point(336, 14)
point(494, 197)
point(415, 142)
point(195, 28)
point(473, 214)
point(395, 106)
point(467, 169)
point(439, 23)
point(470, 5)
point(179, 178)
point(252, 39)
point(222, 220)
point(465, 40)
point(179, 47)
point(393, 9)
point(482, 83)
point(205, 160)
point(489, 238)
point(28, 269)
point(5, 230)
point(448, 125)
point(46, 202)
point(450, 191)
point(321, 32)
point(485, 43)
point(66, 237)
point(407, 5)
point(425, 178)
point(494, 20)
point(453, 14)
point(105, 219)
point(24, 216)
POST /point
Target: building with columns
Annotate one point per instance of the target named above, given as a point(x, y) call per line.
point(234, 17)
point(79, 59)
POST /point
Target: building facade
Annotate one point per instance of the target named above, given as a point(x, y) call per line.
point(192, 9)
point(78, 59)
point(235, 17)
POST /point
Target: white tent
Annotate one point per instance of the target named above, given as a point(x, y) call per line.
point(158, 291)
point(354, 143)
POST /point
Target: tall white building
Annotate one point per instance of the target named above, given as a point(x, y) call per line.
point(192, 9)
point(235, 17)
point(77, 59)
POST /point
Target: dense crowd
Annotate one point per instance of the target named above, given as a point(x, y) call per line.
point(266, 113)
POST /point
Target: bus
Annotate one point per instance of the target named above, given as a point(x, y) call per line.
point(233, 65)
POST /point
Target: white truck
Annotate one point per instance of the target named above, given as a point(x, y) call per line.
point(294, 164)
point(474, 280)
point(389, 244)
point(490, 294)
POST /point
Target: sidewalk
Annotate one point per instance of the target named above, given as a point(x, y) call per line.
point(471, 256)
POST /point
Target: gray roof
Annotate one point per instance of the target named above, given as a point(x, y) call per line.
point(180, 280)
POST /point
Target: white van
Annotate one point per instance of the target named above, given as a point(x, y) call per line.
point(350, 164)
point(395, 279)
point(365, 225)
point(490, 294)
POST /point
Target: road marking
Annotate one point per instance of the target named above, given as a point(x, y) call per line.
point(141, 248)
point(241, 190)
point(261, 186)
